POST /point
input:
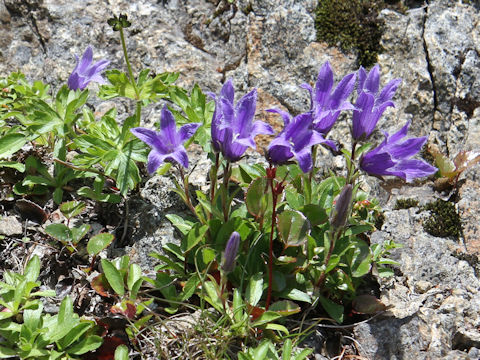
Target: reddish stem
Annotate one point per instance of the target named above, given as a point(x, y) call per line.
point(271, 179)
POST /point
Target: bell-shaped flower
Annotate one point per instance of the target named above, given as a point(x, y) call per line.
point(327, 103)
point(86, 71)
point(166, 144)
point(371, 103)
point(394, 157)
point(233, 128)
point(295, 140)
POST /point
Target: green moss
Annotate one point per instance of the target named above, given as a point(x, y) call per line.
point(444, 220)
point(354, 25)
point(405, 203)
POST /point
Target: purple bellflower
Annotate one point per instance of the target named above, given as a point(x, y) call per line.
point(371, 103)
point(167, 144)
point(86, 71)
point(231, 250)
point(233, 128)
point(325, 104)
point(296, 140)
point(393, 157)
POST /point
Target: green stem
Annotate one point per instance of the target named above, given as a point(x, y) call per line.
point(129, 67)
point(351, 168)
point(226, 180)
point(138, 113)
point(213, 182)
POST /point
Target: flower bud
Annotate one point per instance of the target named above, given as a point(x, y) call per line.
point(339, 214)
point(228, 263)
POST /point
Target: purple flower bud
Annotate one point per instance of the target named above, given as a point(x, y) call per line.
point(339, 214)
point(231, 251)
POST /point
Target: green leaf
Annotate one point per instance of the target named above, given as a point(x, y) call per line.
point(285, 307)
point(213, 297)
point(194, 237)
point(297, 295)
point(113, 276)
point(333, 309)
point(99, 242)
point(13, 165)
point(134, 274)
point(315, 214)
point(258, 198)
point(293, 228)
point(184, 226)
point(59, 232)
point(79, 232)
point(121, 353)
point(72, 208)
point(361, 259)
point(287, 350)
point(87, 344)
point(266, 317)
point(32, 270)
point(11, 143)
point(254, 290)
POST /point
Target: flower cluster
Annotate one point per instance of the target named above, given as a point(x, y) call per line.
point(233, 128)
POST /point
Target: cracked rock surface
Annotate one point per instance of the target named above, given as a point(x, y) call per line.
point(271, 45)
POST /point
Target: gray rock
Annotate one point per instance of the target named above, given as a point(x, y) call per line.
point(9, 225)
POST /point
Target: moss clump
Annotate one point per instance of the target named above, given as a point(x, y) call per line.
point(405, 203)
point(354, 24)
point(351, 24)
point(444, 220)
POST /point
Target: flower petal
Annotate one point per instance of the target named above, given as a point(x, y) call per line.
point(187, 131)
point(155, 159)
point(285, 115)
point(324, 84)
point(151, 138)
point(169, 127)
point(304, 159)
point(389, 90)
point(228, 91)
point(373, 80)
point(244, 113)
point(414, 168)
point(179, 156)
point(343, 90)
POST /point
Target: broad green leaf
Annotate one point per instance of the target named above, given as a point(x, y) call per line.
point(121, 353)
point(287, 350)
point(285, 307)
point(13, 164)
point(59, 232)
point(32, 270)
point(99, 242)
point(254, 290)
point(213, 297)
point(333, 309)
point(277, 327)
point(134, 274)
point(259, 197)
point(87, 344)
point(79, 232)
point(315, 214)
point(11, 143)
point(266, 317)
point(113, 276)
point(73, 208)
point(293, 228)
point(297, 295)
